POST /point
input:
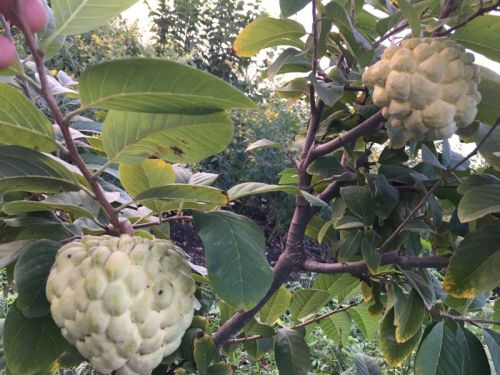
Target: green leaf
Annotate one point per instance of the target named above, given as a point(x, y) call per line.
point(493, 342)
point(22, 123)
point(10, 251)
point(337, 327)
point(22, 169)
point(489, 87)
point(31, 344)
point(411, 15)
point(326, 166)
point(370, 253)
point(291, 352)
point(157, 86)
point(185, 193)
point(276, 306)
point(151, 173)
point(394, 352)
point(329, 92)
point(438, 354)
point(294, 89)
point(474, 359)
point(79, 16)
point(357, 44)
point(203, 178)
point(252, 188)
point(290, 7)
point(420, 281)
point(366, 322)
point(409, 314)
point(386, 197)
point(205, 353)
point(131, 137)
point(339, 286)
point(220, 368)
point(348, 222)
point(268, 32)
point(366, 365)
point(78, 204)
point(31, 273)
point(360, 202)
point(262, 143)
point(307, 301)
point(350, 246)
point(474, 265)
point(478, 202)
point(235, 253)
point(480, 35)
point(257, 348)
point(476, 180)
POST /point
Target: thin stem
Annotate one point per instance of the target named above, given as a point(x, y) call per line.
point(460, 318)
point(59, 119)
point(163, 221)
point(449, 7)
point(360, 267)
point(446, 173)
point(242, 340)
point(480, 12)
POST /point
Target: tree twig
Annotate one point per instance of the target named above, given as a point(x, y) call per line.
point(480, 12)
point(392, 258)
point(460, 318)
point(242, 340)
point(59, 119)
point(163, 221)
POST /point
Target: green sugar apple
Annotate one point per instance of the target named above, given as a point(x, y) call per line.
point(124, 302)
point(427, 88)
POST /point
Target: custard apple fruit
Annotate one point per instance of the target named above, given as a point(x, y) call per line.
point(124, 302)
point(427, 88)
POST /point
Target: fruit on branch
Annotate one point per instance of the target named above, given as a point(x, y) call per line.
point(124, 302)
point(33, 12)
point(7, 52)
point(427, 88)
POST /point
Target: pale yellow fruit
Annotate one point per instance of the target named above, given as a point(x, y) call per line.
point(427, 89)
point(124, 302)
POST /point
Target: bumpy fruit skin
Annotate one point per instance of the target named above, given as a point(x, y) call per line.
point(426, 88)
point(7, 52)
point(124, 302)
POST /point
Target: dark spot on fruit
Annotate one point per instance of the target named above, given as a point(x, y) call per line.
point(69, 256)
point(160, 292)
point(176, 150)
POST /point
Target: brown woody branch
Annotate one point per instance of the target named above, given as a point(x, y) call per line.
point(479, 12)
point(117, 226)
point(460, 318)
point(242, 340)
point(392, 258)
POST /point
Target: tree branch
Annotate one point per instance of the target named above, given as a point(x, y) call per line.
point(460, 318)
point(242, 340)
point(392, 258)
point(59, 119)
point(480, 12)
point(366, 127)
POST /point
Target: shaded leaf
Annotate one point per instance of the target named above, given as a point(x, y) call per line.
point(366, 365)
point(408, 315)
point(478, 202)
point(205, 353)
point(235, 252)
point(292, 353)
point(493, 342)
point(290, 7)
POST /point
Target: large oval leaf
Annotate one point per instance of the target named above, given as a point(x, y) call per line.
point(157, 86)
point(79, 16)
point(408, 315)
point(292, 352)
point(478, 202)
point(480, 35)
point(489, 87)
point(31, 344)
point(337, 327)
point(366, 322)
point(185, 193)
point(474, 359)
point(151, 173)
point(31, 273)
point(236, 262)
point(130, 137)
point(276, 306)
point(78, 204)
point(22, 123)
point(474, 266)
point(307, 301)
point(268, 32)
point(394, 352)
point(22, 169)
point(493, 341)
point(438, 354)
